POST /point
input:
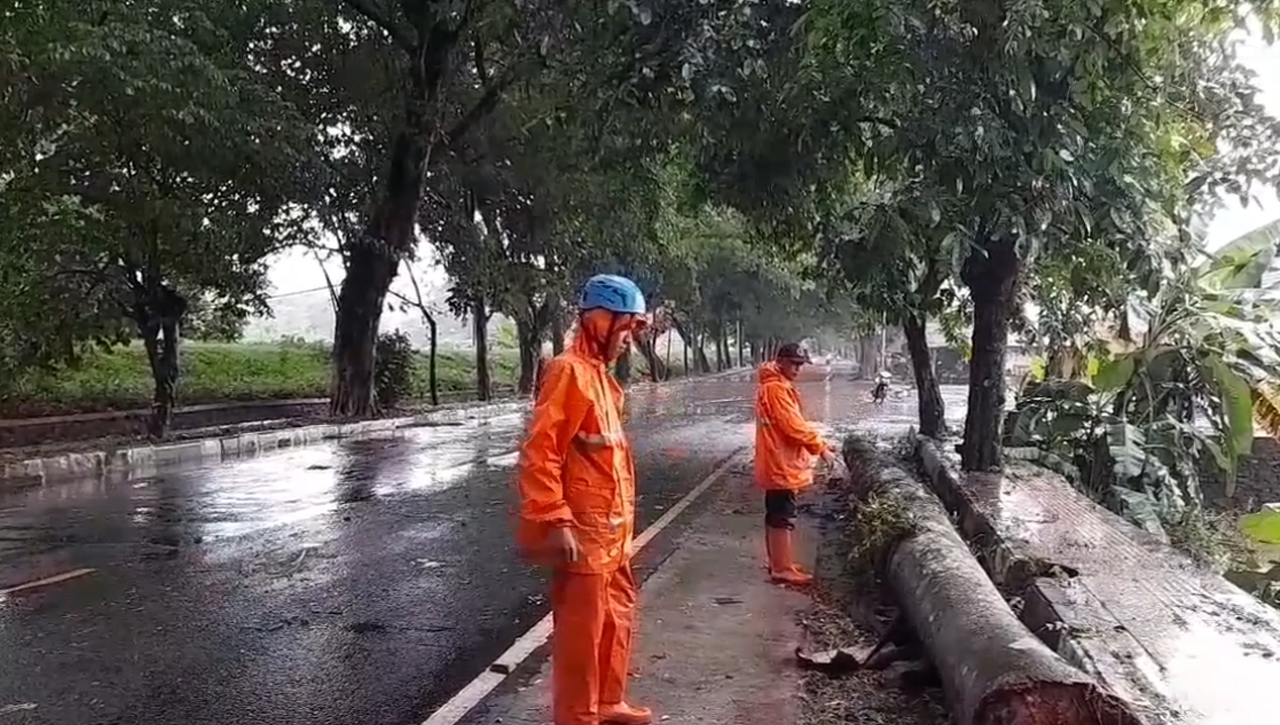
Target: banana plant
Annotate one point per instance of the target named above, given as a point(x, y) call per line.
point(1210, 356)
point(1193, 385)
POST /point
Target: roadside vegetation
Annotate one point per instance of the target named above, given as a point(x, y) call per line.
point(217, 372)
point(765, 169)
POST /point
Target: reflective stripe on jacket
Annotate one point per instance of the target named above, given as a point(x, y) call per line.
point(785, 442)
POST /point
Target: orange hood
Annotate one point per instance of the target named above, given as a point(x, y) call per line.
point(769, 373)
point(592, 330)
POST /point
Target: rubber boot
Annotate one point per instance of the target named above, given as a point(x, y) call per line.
point(620, 713)
point(782, 567)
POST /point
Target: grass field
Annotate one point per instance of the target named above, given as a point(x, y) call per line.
point(219, 372)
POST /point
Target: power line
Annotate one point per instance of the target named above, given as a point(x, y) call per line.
point(296, 293)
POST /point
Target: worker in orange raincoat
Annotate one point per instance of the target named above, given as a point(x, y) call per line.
point(577, 510)
point(785, 446)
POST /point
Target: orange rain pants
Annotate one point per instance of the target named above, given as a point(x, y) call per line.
point(785, 442)
point(594, 617)
point(577, 471)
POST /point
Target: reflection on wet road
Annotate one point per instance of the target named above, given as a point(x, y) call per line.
point(360, 581)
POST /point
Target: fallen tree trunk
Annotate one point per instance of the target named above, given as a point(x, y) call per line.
point(994, 671)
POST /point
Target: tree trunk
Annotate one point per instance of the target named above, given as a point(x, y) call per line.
point(993, 670)
point(867, 362)
point(480, 330)
point(741, 344)
point(700, 354)
point(715, 345)
point(372, 260)
point(691, 347)
point(433, 351)
point(161, 340)
point(657, 370)
point(557, 330)
point(158, 311)
point(933, 418)
point(529, 342)
point(990, 277)
point(668, 362)
point(622, 368)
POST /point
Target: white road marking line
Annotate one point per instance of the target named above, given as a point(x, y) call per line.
point(46, 581)
point(468, 697)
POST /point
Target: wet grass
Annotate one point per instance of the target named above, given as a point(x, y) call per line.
point(120, 379)
point(877, 523)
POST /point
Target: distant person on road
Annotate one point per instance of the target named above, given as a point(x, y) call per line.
point(577, 509)
point(785, 446)
point(881, 390)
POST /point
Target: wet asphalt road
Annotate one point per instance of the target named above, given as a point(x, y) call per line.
point(354, 583)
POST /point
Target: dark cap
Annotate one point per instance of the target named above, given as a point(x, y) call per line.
point(792, 352)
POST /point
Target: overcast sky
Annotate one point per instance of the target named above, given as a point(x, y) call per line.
point(296, 271)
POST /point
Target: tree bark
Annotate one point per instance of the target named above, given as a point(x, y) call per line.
point(158, 311)
point(433, 353)
point(557, 329)
point(480, 330)
point(161, 341)
point(932, 410)
point(529, 342)
point(622, 368)
point(742, 348)
point(372, 261)
point(993, 670)
point(647, 348)
point(990, 274)
point(700, 354)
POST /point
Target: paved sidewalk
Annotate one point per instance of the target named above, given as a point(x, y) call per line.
point(716, 640)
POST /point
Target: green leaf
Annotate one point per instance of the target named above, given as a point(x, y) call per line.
point(1263, 526)
point(1237, 406)
point(1127, 445)
point(1142, 509)
point(1115, 373)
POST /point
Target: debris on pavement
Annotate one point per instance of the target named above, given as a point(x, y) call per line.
point(849, 659)
point(893, 691)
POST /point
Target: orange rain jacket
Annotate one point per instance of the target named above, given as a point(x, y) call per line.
point(576, 466)
point(785, 442)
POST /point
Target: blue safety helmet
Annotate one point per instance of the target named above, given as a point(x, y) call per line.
point(613, 293)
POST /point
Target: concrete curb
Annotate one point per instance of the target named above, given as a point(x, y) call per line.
point(146, 459)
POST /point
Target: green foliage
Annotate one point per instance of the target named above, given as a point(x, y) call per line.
point(216, 373)
point(147, 169)
point(1263, 526)
point(393, 378)
point(1208, 356)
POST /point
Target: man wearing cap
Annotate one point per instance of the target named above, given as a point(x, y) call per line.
point(785, 446)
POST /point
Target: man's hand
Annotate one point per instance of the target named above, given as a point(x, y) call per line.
point(829, 457)
point(562, 542)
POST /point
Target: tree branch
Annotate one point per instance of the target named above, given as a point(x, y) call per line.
point(478, 111)
point(397, 34)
